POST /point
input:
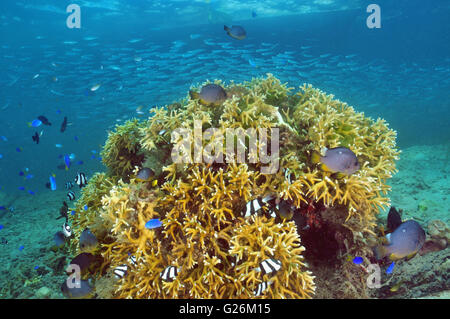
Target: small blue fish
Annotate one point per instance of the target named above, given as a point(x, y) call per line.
point(2, 208)
point(21, 188)
point(390, 268)
point(36, 267)
point(29, 176)
point(36, 123)
point(85, 207)
point(52, 183)
point(58, 145)
point(21, 173)
point(153, 223)
point(21, 248)
point(93, 156)
point(76, 138)
point(72, 213)
point(358, 260)
point(31, 192)
point(1, 227)
point(80, 162)
point(4, 138)
point(67, 161)
point(19, 149)
point(1, 155)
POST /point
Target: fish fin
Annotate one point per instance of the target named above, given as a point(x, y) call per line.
point(226, 28)
point(411, 255)
point(315, 157)
point(388, 238)
point(379, 252)
point(155, 183)
point(339, 175)
point(194, 95)
point(393, 257)
point(397, 286)
point(325, 168)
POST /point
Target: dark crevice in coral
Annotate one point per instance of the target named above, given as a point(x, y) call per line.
point(321, 245)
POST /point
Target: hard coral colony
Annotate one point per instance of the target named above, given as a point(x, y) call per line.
point(212, 248)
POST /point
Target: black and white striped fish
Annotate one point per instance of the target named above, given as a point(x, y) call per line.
point(255, 205)
point(67, 231)
point(132, 260)
point(261, 288)
point(269, 265)
point(81, 180)
point(169, 273)
point(69, 185)
point(71, 195)
point(121, 271)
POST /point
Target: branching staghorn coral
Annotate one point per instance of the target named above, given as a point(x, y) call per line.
point(216, 250)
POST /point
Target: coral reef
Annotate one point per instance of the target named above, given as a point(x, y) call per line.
point(122, 149)
point(205, 236)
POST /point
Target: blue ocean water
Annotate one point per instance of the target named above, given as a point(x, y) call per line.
point(131, 55)
point(150, 52)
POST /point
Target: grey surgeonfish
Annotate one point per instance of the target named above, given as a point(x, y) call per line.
point(405, 241)
point(84, 290)
point(337, 160)
point(88, 241)
point(236, 32)
point(210, 94)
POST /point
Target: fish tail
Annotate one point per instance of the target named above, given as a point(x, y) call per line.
point(194, 95)
point(380, 252)
point(315, 157)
